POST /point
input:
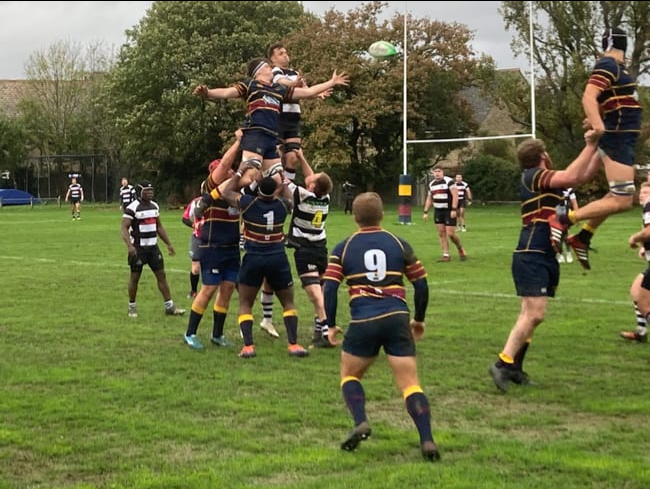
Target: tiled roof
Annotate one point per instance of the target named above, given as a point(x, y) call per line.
point(11, 92)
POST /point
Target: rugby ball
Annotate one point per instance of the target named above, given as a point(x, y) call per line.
point(382, 50)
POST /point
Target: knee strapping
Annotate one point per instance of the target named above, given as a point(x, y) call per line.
point(623, 188)
point(289, 147)
point(310, 280)
point(253, 163)
point(273, 170)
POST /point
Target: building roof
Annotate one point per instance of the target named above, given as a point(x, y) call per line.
point(12, 92)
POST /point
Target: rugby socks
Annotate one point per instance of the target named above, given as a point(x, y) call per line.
point(586, 233)
point(246, 327)
point(505, 361)
point(290, 318)
point(417, 405)
point(219, 316)
point(266, 299)
point(519, 356)
point(194, 282)
point(355, 399)
point(641, 321)
point(196, 314)
point(320, 327)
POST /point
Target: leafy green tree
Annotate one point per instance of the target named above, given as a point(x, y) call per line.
point(13, 144)
point(360, 127)
point(565, 46)
point(176, 46)
point(493, 178)
point(54, 105)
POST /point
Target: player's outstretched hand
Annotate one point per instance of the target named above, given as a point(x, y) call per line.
point(201, 91)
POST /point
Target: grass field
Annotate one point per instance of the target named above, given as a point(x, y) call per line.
point(92, 399)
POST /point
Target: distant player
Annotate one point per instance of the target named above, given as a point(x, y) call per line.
point(127, 193)
point(464, 201)
point(75, 194)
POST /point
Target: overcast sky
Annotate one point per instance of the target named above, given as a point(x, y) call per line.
point(27, 27)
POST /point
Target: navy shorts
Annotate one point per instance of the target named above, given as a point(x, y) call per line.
point(393, 333)
point(274, 268)
point(645, 283)
point(619, 146)
point(443, 216)
point(218, 264)
point(146, 256)
point(194, 248)
point(289, 126)
point(310, 259)
point(260, 142)
point(535, 274)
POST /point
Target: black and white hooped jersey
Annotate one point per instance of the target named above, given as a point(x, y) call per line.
point(144, 218)
point(75, 191)
point(307, 226)
point(441, 193)
point(127, 195)
point(291, 75)
point(462, 187)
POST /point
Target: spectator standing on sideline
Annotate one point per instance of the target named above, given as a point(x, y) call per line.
point(127, 193)
point(374, 262)
point(141, 227)
point(611, 106)
point(75, 194)
point(535, 269)
point(464, 200)
point(348, 196)
point(443, 195)
point(640, 289)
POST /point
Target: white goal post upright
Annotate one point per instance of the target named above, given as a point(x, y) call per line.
point(405, 189)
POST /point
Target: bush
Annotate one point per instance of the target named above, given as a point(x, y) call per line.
point(492, 178)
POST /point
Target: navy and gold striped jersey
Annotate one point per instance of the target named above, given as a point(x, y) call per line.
point(263, 223)
point(263, 103)
point(618, 100)
point(538, 202)
point(220, 224)
point(373, 262)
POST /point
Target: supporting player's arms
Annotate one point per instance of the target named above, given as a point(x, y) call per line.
point(421, 299)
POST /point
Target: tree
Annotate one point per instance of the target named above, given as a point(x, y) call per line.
point(13, 144)
point(565, 45)
point(176, 46)
point(54, 109)
point(360, 127)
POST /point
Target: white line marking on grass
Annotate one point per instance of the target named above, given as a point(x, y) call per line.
point(492, 295)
